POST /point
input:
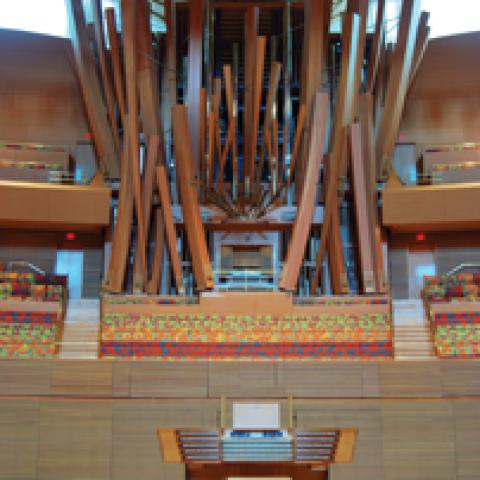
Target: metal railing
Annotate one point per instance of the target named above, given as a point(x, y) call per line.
point(464, 266)
point(12, 265)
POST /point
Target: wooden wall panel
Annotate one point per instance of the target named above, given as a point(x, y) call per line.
point(443, 105)
point(196, 380)
point(418, 440)
point(70, 439)
point(308, 380)
point(409, 379)
point(59, 205)
point(136, 452)
point(74, 440)
point(18, 439)
point(467, 438)
point(49, 109)
point(170, 379)
point(81, 377)
point(243, 380)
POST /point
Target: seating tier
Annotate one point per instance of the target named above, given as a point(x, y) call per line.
point(29, 334)
point(236, 337)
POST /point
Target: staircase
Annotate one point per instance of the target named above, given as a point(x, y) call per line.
point(411, 331)
point(81, 329)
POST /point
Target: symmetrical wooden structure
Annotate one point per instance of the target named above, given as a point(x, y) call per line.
point(236, 143)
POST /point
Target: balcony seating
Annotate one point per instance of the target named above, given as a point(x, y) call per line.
point(244, 337)
point(31, 314)
point(454, 314)
point(29, 334)
point(32, 286)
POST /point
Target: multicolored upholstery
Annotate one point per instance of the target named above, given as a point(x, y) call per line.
point(457, 334)
point(200, 337)
point(445, 288)
point(32, 286)
point(29, 334)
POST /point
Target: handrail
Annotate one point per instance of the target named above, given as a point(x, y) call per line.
point(21, 263)
point(462, 266)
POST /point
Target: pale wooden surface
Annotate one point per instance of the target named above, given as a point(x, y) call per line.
point(203, 380)
point(116, 439)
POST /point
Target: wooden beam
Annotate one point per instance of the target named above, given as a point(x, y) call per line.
point(169, 84)
point(195, 41)
point(202, 269)
point(116, 62)
point(132, 130)
point(421, 45)
point(91, 93)
point(104, 70)
point(123, 228)
point(361, 8)
point(146, 74)
point(251, 33)
point(316, 15)
point(297, 142)
point(211, 148)
point(306, 208)
point(157, 263)
point(170, 231)
point(401, 68)
point(232, 129)
point(257, 98)
point(378, 43)
point(344, 116)
point(362, 209)
point(270, 111)
point(202, 129)
point(368, 144)
point(151, 161)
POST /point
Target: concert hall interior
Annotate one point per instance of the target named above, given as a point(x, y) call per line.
point(239, 239)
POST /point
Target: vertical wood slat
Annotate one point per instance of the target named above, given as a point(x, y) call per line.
point(123, 227)
point(170, 231)
point(303, 220)
point(202, 132)
point(195, 61)
point(251, 33)
point(368, 144)
point(398, 83)
point(151, 125)
point(169, 84)
point(377, 45)
point(421, 45)
point(116, 62)
point(104, 70)
point(344, 115)
point(275, 71)
point(364, 229)
point(297, 142)
point(257, 98)
point(211, 148)
point(157, 262)
point(191, 210)
point(232, 128)
point(132, 128)
point(315, 39)
point(91, 93)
